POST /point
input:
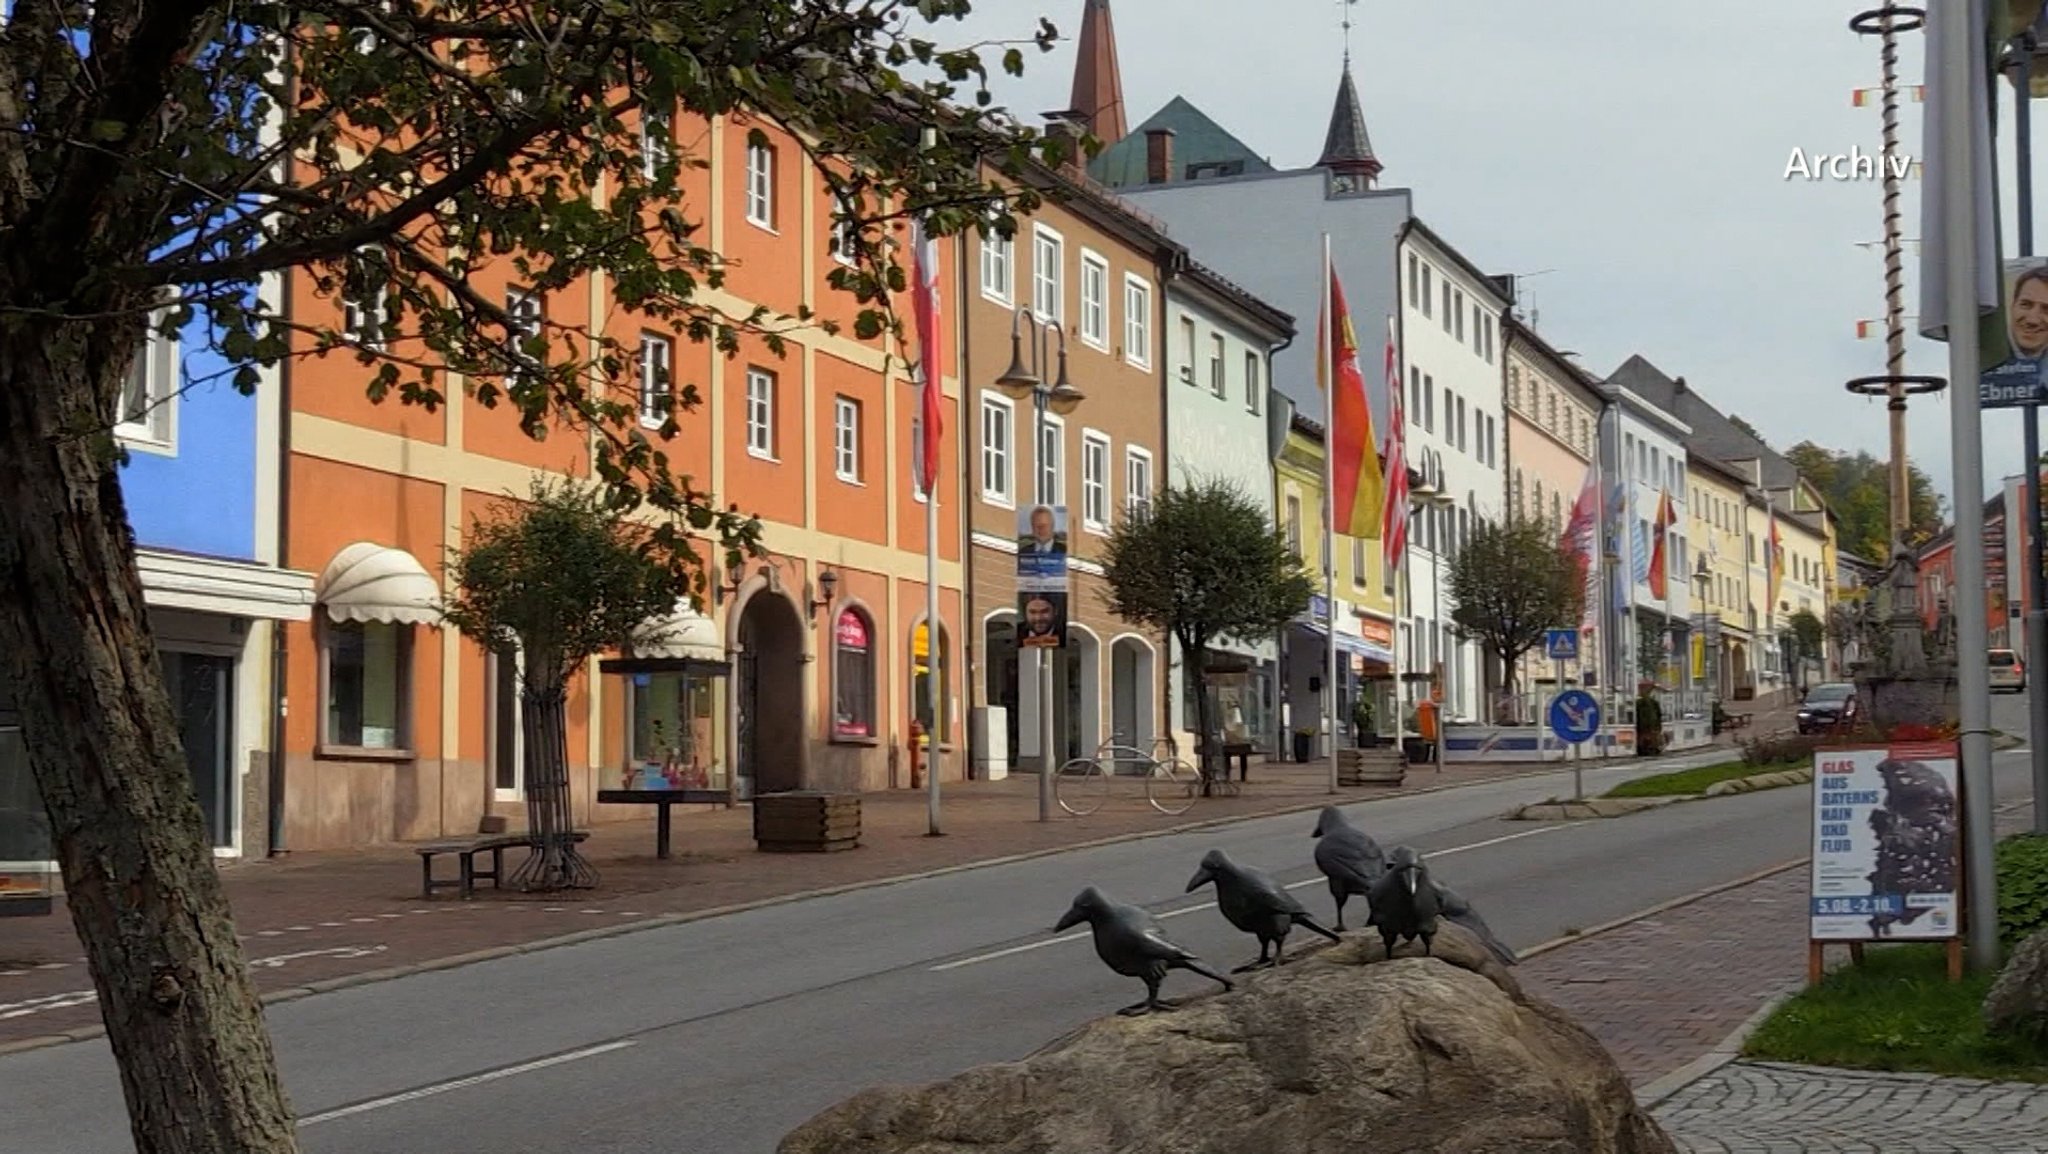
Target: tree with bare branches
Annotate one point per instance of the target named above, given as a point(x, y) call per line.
point(162, 160)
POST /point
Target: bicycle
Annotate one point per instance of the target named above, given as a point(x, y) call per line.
point(1083, 784)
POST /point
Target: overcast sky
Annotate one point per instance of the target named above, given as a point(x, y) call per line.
point(1637, 149)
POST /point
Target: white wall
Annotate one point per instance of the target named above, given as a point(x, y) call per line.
point(1653, 458)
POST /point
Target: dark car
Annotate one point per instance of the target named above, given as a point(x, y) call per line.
point(1827, 706)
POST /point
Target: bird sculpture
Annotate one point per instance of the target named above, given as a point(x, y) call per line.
point(1130, 942)
point(1348, 857)
point(1253, 902)
point(1407, 903)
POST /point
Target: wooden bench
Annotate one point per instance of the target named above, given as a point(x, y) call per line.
point(662, 799)
point(465, 853)
point(1241, 751)
point(1734, 721)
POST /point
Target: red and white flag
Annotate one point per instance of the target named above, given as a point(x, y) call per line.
point(924, 303)
point(1582, 540)
point(1394, 506)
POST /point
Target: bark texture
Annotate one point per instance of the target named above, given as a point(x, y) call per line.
point(555, 863)
point(182, 1015)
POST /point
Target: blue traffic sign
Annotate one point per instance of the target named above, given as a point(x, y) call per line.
point(1561, 644)
point(1574, 716)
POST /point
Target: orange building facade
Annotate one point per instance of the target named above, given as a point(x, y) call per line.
point(803, 669)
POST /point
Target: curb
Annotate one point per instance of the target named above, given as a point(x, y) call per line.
point(494, 953)
point(1653, 1095)
point(1661, 907)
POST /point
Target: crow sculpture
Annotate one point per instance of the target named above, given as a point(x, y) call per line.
point(1256, 904)
point(1129, 941)
point(1348, 857)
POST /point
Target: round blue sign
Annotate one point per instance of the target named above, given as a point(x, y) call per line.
point(1574, 716)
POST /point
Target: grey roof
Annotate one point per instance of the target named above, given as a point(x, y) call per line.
point(1713, 434)
point(1197, 141)
point(1347, 145)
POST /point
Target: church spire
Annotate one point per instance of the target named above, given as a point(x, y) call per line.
point(1098, 85)
point(1347, 149)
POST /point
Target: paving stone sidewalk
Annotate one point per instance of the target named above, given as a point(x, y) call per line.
point(1763, 1108)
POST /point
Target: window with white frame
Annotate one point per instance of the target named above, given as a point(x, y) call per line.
point(1254, 389)
point(1293, 526)
point(657, 140)
point(1137, 321)
point(1137, 479)
point(1217, 383)
point(1458, 313)
point(657, 380)
point(1414, 393)
point(844, 243)
point(1414, 279)
point(1095, 480)
point(525, 311)
point(846, 439)
point(149, 393)
point(761, 184)
point(998, 426)
point(1187, 349)
point(1358, 561)
point(1052, 462)
point(998, 268)
point(1094, 300)
point(1427, 295)
point(761, 413)
point(1449, 319)
point(1048, 268)
point(366, 305)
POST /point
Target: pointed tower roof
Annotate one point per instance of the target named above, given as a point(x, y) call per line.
point(1098, 85)
point(1347, 147)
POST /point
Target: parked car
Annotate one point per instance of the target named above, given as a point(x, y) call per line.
point(2007, 672)
point(1826, 706)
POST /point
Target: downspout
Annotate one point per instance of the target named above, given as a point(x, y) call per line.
point(279, 645)
point(970, 628)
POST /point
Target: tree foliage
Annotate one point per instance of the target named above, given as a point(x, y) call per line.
point(1204, 561)
point(562, 576)
point(1808, 633)
point(1510, 583)
point(1857, 486)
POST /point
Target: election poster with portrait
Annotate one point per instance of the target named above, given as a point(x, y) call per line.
point(1887, 842)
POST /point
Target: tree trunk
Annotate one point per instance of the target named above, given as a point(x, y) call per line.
point(1205, 748)
point(555, 863)
point(182, 1014)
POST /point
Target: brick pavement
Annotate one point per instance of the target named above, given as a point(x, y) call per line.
point(1763, 1108)
point(315, 917)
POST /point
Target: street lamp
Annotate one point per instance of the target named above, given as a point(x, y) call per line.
point(1060, 397)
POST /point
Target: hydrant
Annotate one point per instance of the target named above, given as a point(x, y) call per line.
point(916, 756)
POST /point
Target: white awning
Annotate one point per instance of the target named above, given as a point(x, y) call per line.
point(230, 588)
point(371, 582)
point(685, 635)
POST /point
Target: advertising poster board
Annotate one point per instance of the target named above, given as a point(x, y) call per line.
point(1887, 845)
point(1042, 577)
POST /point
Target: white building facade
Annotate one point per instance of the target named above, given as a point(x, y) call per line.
point(1219, 403)
point(1451, 361)
point(1651, 626)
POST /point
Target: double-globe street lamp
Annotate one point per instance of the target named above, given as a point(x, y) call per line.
point(1060, 397)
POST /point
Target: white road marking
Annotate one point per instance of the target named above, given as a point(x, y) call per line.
point(462, 1083)
point(72, 998)
point(1027, 947)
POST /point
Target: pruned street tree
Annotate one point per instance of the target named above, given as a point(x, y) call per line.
point(549, 583)
point(1203, 560)
point(162, 160)
point(1511, 583)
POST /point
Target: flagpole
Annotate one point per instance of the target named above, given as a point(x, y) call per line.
point(935, 676)
point(1329, 338)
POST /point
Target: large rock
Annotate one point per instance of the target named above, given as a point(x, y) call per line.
point(1341, 1051)
point(2017, 1005)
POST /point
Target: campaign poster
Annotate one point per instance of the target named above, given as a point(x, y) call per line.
point(1886, 844)
point(1042, 617)
point(1042, 548)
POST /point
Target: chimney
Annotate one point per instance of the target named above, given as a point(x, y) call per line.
point(1064, 126)
point(1679, 385)
point(1158, 155)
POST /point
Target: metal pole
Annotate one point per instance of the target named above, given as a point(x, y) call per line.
point(1436, 600)
point(1956, 137)
point(2037, 612)
point(1894, 283)
point(1327, 355)
point(1039, 396)
point(935, 674)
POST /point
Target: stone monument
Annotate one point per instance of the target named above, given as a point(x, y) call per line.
point(1907, 678)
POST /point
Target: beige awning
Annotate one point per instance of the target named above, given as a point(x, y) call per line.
point(685, 635)
point(371, 582)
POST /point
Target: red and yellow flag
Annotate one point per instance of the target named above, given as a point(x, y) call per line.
point(1659, 562)
point(1357, 486)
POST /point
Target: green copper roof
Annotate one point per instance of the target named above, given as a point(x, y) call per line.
point(1199, 143)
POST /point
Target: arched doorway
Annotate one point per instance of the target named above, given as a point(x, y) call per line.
point(1077, 679)
point(1132, 692)
point(770, 733)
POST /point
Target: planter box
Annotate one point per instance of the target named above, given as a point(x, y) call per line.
point(1370, 767)
point(806, 821)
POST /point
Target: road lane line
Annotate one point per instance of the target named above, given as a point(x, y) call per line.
point(462, 1083)
point(1042, 943)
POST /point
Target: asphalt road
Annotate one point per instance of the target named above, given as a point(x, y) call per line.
point(716, 1037)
